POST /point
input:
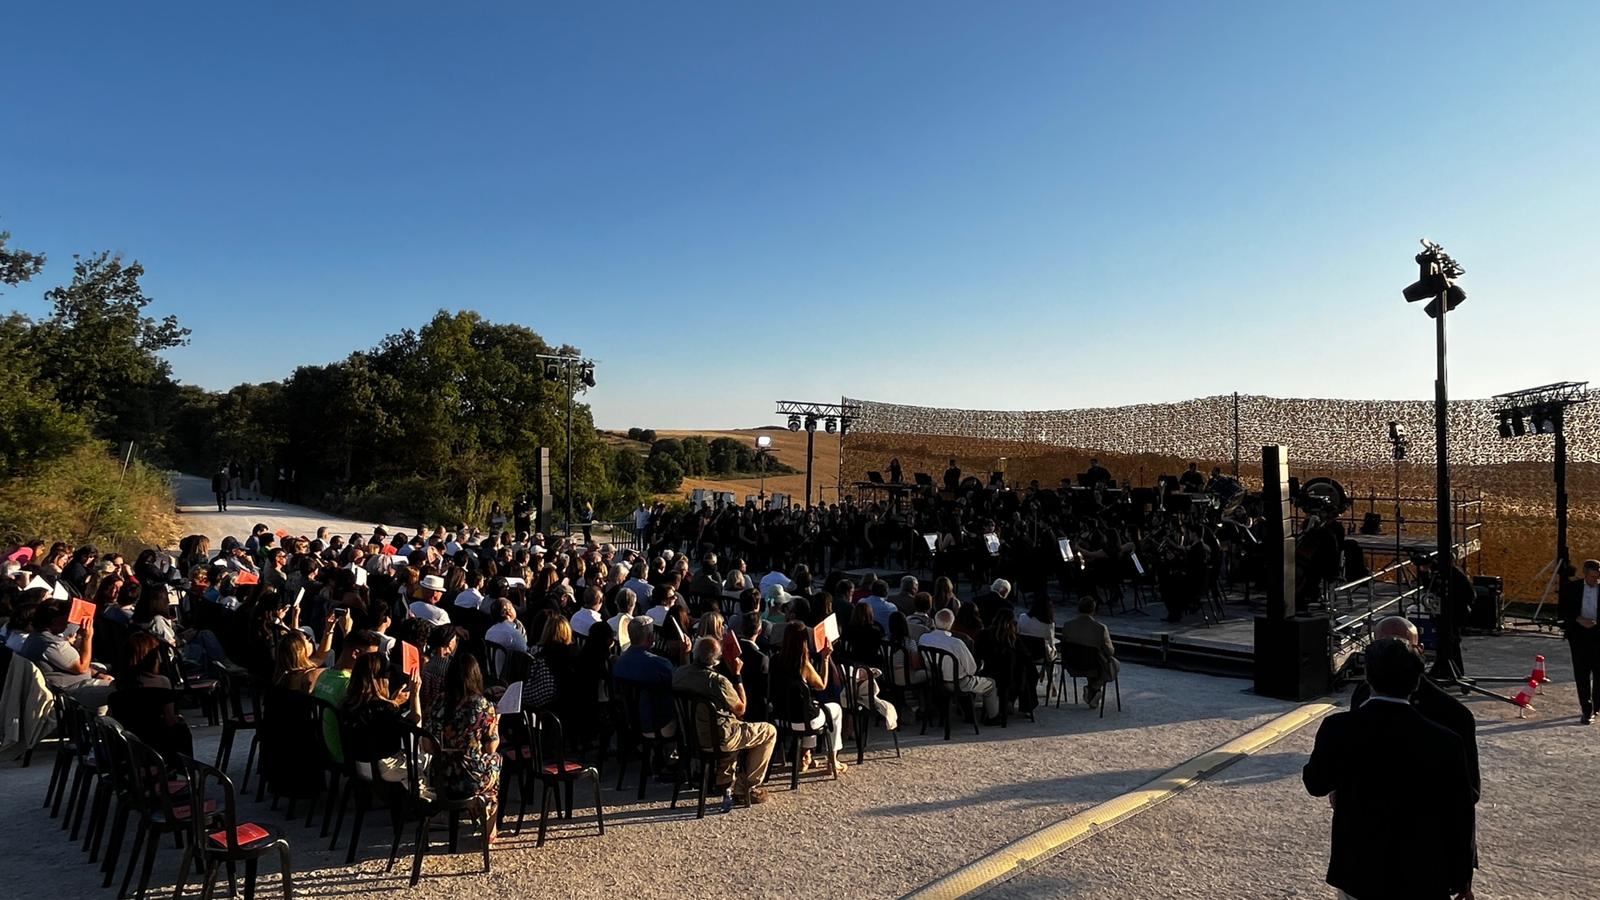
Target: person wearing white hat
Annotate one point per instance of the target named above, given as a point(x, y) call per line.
point(426, 606)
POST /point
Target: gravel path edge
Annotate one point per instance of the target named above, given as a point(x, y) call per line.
point(1014, 858)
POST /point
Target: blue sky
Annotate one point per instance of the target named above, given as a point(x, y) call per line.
point(1020, 205)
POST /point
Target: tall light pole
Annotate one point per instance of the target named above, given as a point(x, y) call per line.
point(833, 416)
point(571, 369)
point(1436, 271)
point(763, 447)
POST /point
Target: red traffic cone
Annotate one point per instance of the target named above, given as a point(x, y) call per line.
point(1538, 671)
point(1524, 698)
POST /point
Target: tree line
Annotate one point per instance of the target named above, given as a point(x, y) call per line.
point(433, 424)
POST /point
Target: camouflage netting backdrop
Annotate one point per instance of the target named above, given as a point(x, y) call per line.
point(1344, 439)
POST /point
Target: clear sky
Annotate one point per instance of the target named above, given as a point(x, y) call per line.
point(1003, 205)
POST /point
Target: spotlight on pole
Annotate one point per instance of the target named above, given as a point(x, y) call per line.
point(552, 371)
point(763, 442)
point(811, 423)
point(1519, 427)
point(1505, 426)
point(794, 423)
point(831, 424)
point(588, 375)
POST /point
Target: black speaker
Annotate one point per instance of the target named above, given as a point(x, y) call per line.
point(1292, 657)
point(1372, 523)
point(543, 502)
point(1485, 612)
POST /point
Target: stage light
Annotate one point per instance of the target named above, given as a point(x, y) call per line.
point(1397, 432)
point(588, 375)
point(1505, 425)
point(552, 371)
point(1430, 281)
point(1546, 418)
point(1518, 426)
point(831, 424)
point(794, 423)
point(811, 423)
point(844, 425)
point(1453, 296)
point(763, 442)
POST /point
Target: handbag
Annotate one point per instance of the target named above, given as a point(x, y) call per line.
point(539, 687)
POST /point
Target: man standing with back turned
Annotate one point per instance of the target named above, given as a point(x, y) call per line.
point(1400, 832)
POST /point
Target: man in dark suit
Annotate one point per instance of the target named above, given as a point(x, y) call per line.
point(1087, 631)
point(906, 600)
point(990, 602)
point(952, 477)
point(1097, 475)
point(1579, 608)
point(1400, 832)
point(1435, 704)
point(707, 584)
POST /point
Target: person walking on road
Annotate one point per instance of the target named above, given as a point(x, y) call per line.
point(219, 486)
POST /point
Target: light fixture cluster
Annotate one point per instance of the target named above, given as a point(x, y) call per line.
point(830, 424)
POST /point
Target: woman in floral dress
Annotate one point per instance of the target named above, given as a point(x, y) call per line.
point(467, 725)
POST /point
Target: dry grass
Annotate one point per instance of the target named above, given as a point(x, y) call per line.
point(790, 448)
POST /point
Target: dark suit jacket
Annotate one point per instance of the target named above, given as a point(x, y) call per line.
point(989, 605)
point(906, 603)
point(1570, 604)
point(1438, 707)
point(1402, 821)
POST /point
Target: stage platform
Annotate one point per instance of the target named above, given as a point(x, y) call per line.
point(1226, 646)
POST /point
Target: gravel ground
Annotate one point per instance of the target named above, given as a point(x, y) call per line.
point(1253, 832)
point(884, 828)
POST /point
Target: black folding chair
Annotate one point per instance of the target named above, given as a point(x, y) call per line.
point(858, 706)
point(224, 840)
point(943, 693)
point(554, 770)
point(425, 805)
point(691, 711)
point(791, 705)
point(626, 697)
point(1080, 661)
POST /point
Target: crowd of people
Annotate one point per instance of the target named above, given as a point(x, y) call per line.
point(338, 617)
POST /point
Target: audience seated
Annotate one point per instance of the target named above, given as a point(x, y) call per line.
point(748, 743)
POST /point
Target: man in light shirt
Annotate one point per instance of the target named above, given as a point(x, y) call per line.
point(506, 631)
point(775, 577)
point(470, 597)
point(1580, 612)
point(966, 675)
point(427, 607)
point(662, 597)
point(589, 613)
point(626, 600)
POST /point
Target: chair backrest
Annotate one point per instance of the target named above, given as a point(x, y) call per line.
point(291, 728)
point(1080, 660)
point(854, 693)
point(111, 742)
point(112, 635)
point(497, 656)
point(692, 709)
point(414, 743)
point(789, 700)
point(208, 782)
point(942, 667)
point(548, 739)
point(329, 718)
point(152, 790)
point(1034, 647)
point(895, 661)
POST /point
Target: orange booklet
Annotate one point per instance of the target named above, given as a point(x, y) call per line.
point(82, 612)
point(410, 659)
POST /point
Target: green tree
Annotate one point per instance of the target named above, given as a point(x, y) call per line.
point(100, 349)
point(724, 455)
point(17, 266)
point(696, 455)
point(665, 473)
point(627, 470)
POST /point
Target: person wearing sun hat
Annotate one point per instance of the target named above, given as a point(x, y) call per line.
point(426, 606)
